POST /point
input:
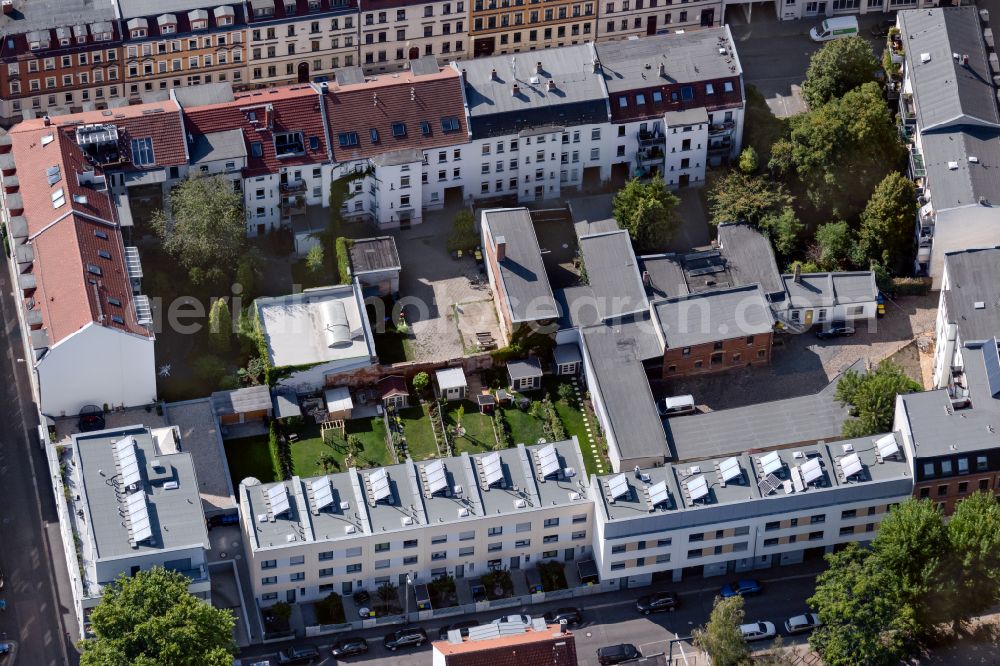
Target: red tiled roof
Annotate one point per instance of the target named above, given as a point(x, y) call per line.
point(391, 385)
point(531, 647)
point(295, 109)
point(395, 98)
point(64, 239)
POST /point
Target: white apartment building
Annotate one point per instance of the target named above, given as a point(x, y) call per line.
point(394, 33)
point(461, 516)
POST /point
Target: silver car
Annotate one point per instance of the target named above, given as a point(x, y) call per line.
point(801, 624)
point(757, 631)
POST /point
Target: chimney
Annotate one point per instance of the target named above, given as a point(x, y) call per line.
point(8, 6)
point(515, 91)
point(538, 67)
point(797, 273)
point(551, 85)
point(269, 116)
point(597, 67)
point(663, 70)
point(501, 243)
point(324, 86)
point(965, 60)
point(46, 120)
point(646, 280)
point(493, 74)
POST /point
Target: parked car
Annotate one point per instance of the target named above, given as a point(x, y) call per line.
point(757, 631)
point(91, 419)
point(298, 655)
point(881, 29)
point(616, 654)
point(744, 587)
point(403, 638)
point(6, 648)
point(654, 603)
point(349, 647)
point(835, 329)
point(462, 626)
point(571, 615)
point(800, 624)
point(522, 618)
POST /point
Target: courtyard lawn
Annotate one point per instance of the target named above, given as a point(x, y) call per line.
point(524, 428)
point(306, 451)
point(249, 456)
point(418, 432)
point(573, 420)
point(479, 435)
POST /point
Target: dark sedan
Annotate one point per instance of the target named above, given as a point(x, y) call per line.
point(836, 329)
point(573, 616)
point(655, 603)
point(349, 647)
point(404, 638)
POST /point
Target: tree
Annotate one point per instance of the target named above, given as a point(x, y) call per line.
point(388, 594)
point(253, 372)
point(421, 381)
point(648, 212)
point(748, 160)
point(463, 232)
point(354, 448)
point(864, 619)
point(886, 231)
point(739, 197)
point(245, 271)
point(206, 224)
point(314, 258)
point(783, 228)
point(721, 637)
point(974, 559)
point(850, 135)
point(872, 397)
point(150, 618)
point(761, 128)
point(220, 326)
point(327, 461)
point(840, 66)
point(834, 245)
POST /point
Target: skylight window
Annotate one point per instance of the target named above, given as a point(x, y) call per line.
point(314, 143)
point(58, 198)
point(94, 270)
point(117, 319)
point(425, 128)
point(374, 135)
point(399, 130)
point(47, 139)
point(114, 301)
point(450, 124)
point(142, 151)
point(347, 139)
point(53, 174)
point(103, 254)
point(257, 149)
point(289, 143)
point(101, 234)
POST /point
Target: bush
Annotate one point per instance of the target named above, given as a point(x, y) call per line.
point(208, 369)
point(281, 453)
point(566, 392)
point(502, 428)
point(463, 232)
point(421, 381)
point(911, 286)
point(330, 609)
point(344, 259)
point(314, 259)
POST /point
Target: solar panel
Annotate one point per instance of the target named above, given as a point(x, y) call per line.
point(436, 479)
point(548, 460)
point(492, 470)
point(278, 496)
point(379, 481)
point(618, 486)
point(770, 462)
point(697, 487)
point(128, 461)
point(322, 492)
point(811, 470)
point(658, 493)
point(887, 445)
point(729, 469)
point(138, 516)
point(850, 465)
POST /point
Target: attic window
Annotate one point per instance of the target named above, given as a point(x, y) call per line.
point(289, 143)
point(103, 254)
point(314, 143)
point(374, 135)
point(142, 151)
point(47, 139)
point(450, 124)
point(425, 128)
point(347, 139)
point(257, 149)
point(114, 301)
point(925, 57)
point(117, 319)
point(53, 174)
point(687, 93)
point(58, 198)
point(727, 86)
point(252, 116)
point(101, 234)
point(399, 130)
point(94, 270)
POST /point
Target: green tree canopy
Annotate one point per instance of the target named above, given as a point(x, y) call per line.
point(421, 381)
point(220, 326)
point(150, 619)
point(739, 197)
point(839, 66)
point(834, 245)
point(315, 258)
point(648, 212)
point(850, 135)
point(886, 231)
point(463, 232)
point(721, 637)
point(864, 619)
point(206, 228)
point(974, 554)
point(783, 228)
point(872, 398)
point(748, 160)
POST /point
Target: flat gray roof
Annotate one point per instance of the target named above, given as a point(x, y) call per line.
point(974, 277)
point(130, 8)
point(175, 514)
point(589, 227)
point(522, 271)
point(711, 316)
point(953, 180)
point(524, 368)
point(204, 94)
point(687, 57)
point(566, 353)
point(29, 15)
point(635, 503)
point(666, 275)
point(369, 255)
point(829, 289)
point(447, 507)
point(802, 419)
point(559, 489)
point(616, 356)
point(249, 399)
point(224, 145)
point(696, 116)
point(750, 258)
point(613, 275)
point(451, 378)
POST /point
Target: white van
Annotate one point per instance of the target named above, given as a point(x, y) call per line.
point(835, 28)
point(678, 404)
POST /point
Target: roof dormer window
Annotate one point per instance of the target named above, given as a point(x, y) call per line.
point(198, 19)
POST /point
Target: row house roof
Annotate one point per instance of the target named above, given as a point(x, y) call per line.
point(177, 17)
point(46, 25)
point(268, 11)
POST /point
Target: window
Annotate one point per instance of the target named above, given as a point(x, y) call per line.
point(269, 564)
point(620, 548)
point(660, 543)
point(399, 130)
point(269, 580)
point(945, 468)
point(450, 124)
point(696, 536)
point(942, 490)
point(257, 149)
point(963, 487)
point(522, 543)
point(771, 542)
point(325, 573)
point(817, 519)
point(550, 538)
point(142, 151)
point(441, 538)
point(579, 536)
point(522, 527)
point(410, 543)
point(595, 153)
point(845, 531)
point(579, 518)
point(929, 470)
point(347, 139)
point(468, 536)
point(439, 555)
point(468, 551)
point(353, 568)
point(297, 576)
point(617, 566)
point(551, 522)
point(925, 493)
point(381, 547)
point(981, 463)
point(813, 536)
point(595, 134)
point(850, 513)
point(381, 564)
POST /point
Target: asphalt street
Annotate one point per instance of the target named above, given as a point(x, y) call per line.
point(29, 529)
point(608, 619)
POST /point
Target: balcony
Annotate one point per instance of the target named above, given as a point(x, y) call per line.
point(906, 132)
point(720, 147)
point(917, 168)
point(651, 155)
point(723, 128)
point(293, 207)
point(907, 109)
point(293, 186)
point(134, 267)
point(654, 138)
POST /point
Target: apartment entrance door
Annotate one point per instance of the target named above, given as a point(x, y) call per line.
point(651, 25)
point(809, 318)
point(459, 571)
point(515, 562)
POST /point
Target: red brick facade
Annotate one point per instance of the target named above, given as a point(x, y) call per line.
point(949, 492)
point(717, 356)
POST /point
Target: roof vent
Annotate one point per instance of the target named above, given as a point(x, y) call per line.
point(170, 485)
point(925, 58)
point(463, 512)
point(520, 503)
point(973, 159)
point(324, 86)
point(952, 166)
point(979, 305)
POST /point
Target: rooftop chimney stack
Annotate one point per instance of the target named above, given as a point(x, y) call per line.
point(324, 86)
point(46, 120)
point(538, 67)
point(663, 70)
point(493, 74)
point(646, 280)
point(965, 60)
point(515, 91)
point(797, 273)
point(8, 6)
point(269, 116)
point(551, 85)
point(501, 243)
point(597, 67)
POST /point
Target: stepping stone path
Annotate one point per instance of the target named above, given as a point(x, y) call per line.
point(591, 441)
